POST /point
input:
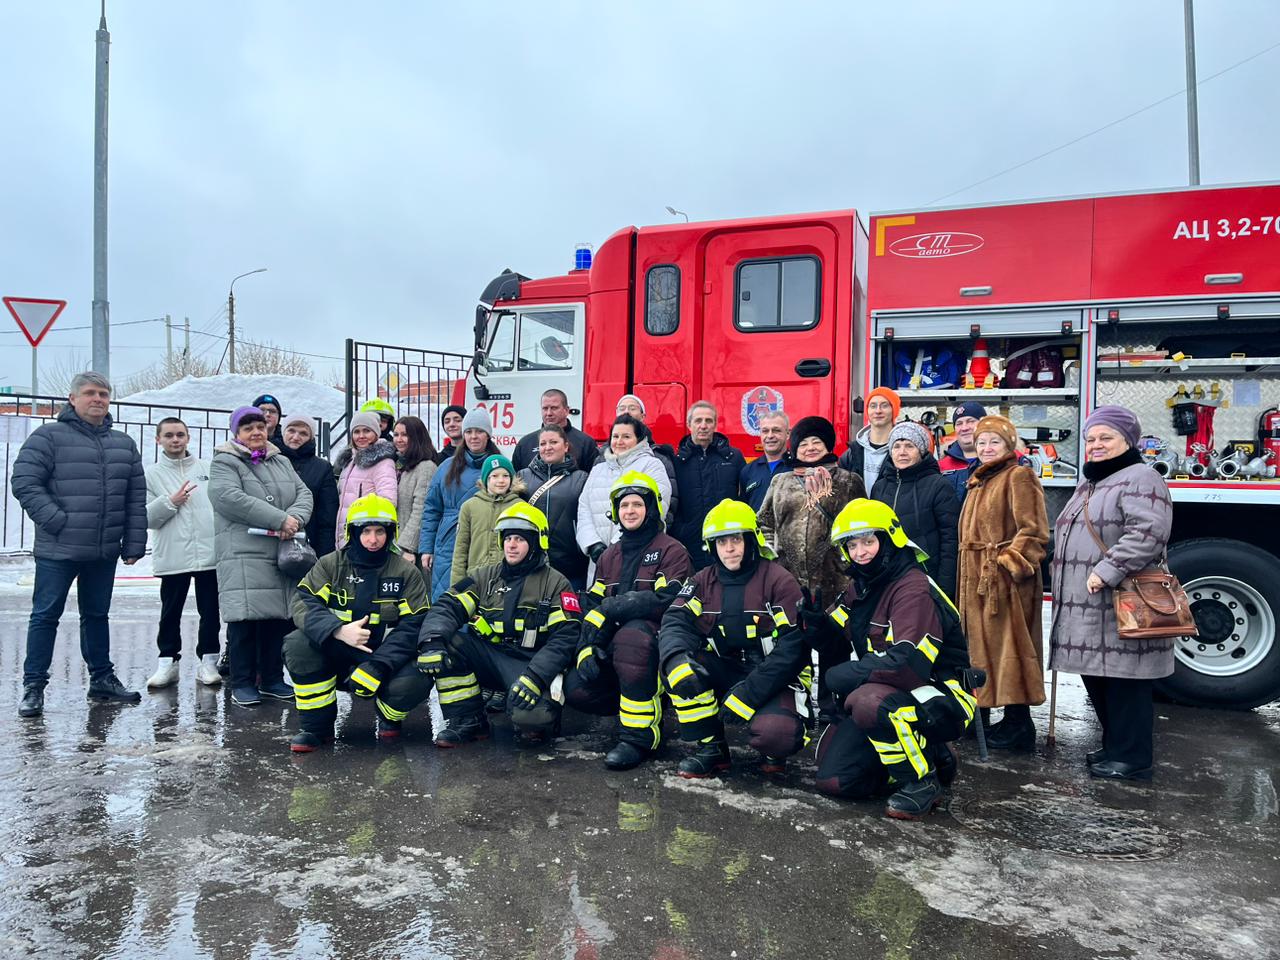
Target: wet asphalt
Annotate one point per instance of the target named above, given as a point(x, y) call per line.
point(183, 827)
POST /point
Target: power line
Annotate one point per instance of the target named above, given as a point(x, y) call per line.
point(127, 323)
point(270, 346)
point(1105, 126)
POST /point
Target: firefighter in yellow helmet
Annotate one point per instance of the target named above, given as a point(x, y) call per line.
point(506, 626)
point(357, 613)
point(636, 579)
point(386, 414)
point(730, 649)
point(901, 697)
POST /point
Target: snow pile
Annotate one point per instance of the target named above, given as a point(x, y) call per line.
point(226, 391)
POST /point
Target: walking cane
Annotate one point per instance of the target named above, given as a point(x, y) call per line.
point(1051, 740)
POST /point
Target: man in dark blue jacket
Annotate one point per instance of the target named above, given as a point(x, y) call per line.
point(775, 431)
point(707, 470)
point(83, 487)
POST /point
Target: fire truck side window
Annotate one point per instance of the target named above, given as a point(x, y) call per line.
point(777, 294)
point(662, 300)
point(546, 340)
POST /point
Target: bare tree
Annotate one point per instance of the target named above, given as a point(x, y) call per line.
point(56, 376)
point(267, 358)
point(167, 371)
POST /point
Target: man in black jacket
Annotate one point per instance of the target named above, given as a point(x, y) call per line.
point(707, 469)
point(83, 487)
point(555, 410)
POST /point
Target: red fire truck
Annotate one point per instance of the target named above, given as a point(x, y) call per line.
point(1166, 302)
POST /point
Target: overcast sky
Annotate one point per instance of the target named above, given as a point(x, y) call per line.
point(385, 160)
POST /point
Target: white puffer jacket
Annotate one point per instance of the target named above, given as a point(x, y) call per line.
point(594, 525)
point(181, 537)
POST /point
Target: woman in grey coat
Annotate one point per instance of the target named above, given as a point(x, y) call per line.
point(252, 485)
point(1128, 505)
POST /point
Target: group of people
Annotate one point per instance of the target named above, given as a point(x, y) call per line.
point(616, 579)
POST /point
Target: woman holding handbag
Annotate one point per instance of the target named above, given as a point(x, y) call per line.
point(555, 485)
point(1115, 525)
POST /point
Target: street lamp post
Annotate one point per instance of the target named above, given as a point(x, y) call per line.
point(678, 213)
point(231, 316)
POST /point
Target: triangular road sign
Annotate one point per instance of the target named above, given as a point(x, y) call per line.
point(34, 316)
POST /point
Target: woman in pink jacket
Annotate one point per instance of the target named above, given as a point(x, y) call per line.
point(367, 466)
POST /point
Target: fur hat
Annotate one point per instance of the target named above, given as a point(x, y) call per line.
point(1002, 427)
point(1121, 419)
point(478, 419)
point(819, 427)
point(495, 461)
point(240, 413)
point(366, 419)
point(914, 434)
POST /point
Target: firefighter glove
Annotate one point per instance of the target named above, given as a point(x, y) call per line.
point(687, 678)
point(624, 606)
point(735, 709)
point(525, 692)
point(433, 659)
point(366, 679)
point(594, 551)
point(813, 616)
point(590, 657)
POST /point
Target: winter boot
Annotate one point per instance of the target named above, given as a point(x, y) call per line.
point(32, 704)
point(626, 755)
point(207, 672)
point(1016, 732)
point(389, 729)
point(772, 766)
point(246, 696)
point(1096, 756)
point(462, 730)
point(276, 690)
point(109, 689)
point(166, 674)
point(306, 741)
point(916, 800)
point(711, 757)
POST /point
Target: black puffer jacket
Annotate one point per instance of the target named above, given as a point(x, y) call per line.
point(925, 501)
point(560, 504)
point(706, 476)
point(84, 488)
point(317, 473)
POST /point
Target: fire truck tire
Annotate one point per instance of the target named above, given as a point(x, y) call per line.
point(1234, 589)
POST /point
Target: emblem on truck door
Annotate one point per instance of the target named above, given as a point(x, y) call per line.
point(931, 246)
point(756, 402)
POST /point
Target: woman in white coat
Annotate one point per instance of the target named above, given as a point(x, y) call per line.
point(629, 449)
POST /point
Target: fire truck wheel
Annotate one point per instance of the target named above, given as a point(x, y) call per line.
point(1234, 590)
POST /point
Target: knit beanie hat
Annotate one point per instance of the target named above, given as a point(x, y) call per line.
point(639, 402)
point(894, 400)
point(1002, 427)
point(240, 413)
point(452, 408)
point(366, 419)
point(819, 427)
point(1121, 419)
point(970, 408)
point(268, 398)
point(494, 462)
point(914, 434)
point(478, 419)
point(303, 419)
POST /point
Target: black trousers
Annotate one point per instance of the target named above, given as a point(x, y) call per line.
point(173, 598)
point(1127, 713)
point(255, 651)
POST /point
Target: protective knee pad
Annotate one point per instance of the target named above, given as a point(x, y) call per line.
point(406, 690)
point(864, 707)
point(635, 651)
point(777, 735)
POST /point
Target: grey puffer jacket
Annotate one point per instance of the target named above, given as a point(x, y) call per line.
point(84, 489)
point(246, 494)
point(1132, 515)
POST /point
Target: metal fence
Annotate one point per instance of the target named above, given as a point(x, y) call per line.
point(22, 413)
point(415, 382)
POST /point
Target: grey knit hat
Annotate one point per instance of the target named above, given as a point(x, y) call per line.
point(478, 419)
point(913, 433)
point(1121, 419)
point(365, 419)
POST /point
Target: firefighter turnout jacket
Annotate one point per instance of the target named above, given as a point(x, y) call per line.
point(658, 579)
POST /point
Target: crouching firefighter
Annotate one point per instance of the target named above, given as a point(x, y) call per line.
point(729, 646)
point(900, 698)
point(357, 614)
point(636, 579)
point(507, 626)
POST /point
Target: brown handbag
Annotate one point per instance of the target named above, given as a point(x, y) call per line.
point(1151, 603)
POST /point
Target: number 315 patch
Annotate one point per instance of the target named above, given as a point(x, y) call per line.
point(391, 587)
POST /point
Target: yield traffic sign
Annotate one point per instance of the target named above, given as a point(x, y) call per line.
point(34, 316)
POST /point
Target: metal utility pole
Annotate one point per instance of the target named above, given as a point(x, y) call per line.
point(101, 324)
point(186, 338)
point(231, 318)
point(168, 339)
point(1193, 117)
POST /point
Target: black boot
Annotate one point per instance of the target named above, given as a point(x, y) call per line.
point(317, 728)
point(1016, 732)
point(711, 757)
point(109, 689)
point(945, 764)
point(462, 730)
point(916, 800)
point(625, 755)
point(1095, 756)
point(32, 704)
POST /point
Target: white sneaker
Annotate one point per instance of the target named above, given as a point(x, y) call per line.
point(207, 673)
point(166, 674)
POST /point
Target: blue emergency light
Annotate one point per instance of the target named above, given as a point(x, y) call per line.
point(582, 257)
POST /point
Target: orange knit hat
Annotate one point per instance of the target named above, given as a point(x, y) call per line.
point(894, 400)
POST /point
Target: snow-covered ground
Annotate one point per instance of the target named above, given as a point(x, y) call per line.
point(227, 391)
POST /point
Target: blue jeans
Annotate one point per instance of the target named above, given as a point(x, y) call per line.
point(96, 579)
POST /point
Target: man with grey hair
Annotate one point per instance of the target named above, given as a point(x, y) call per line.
point(775, 430)
point(707, 471)
point(83, 487)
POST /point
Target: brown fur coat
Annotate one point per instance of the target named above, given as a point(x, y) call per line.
point(1003, 533)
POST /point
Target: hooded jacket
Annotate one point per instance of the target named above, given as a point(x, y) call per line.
point(594, 525)
point(925, 502)
point(84, 489)
point(181, 537)
point(440, 516)
point(706, 476)
point(864, 458)
point(560, 503)
point(371, 470)
point(477, 544)
point(317, 473)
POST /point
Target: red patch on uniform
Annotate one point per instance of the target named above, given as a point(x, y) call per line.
point(569, 601)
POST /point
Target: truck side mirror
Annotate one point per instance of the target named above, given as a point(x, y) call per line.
point(482, 321)
point(478, 363)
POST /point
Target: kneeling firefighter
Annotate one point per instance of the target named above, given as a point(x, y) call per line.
point(901, 697)
point(729, 644)
point(636, 579)
point(507, 626)
point(357, 613)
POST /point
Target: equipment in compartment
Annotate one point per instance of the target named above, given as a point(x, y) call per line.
point(931, 367)
point(1036, 366)
point(980, 374)
point(1269, 433)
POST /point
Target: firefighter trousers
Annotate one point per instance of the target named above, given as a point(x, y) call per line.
point(477, 663)
point(628, 685)
point(779, 727)
point(316, 674)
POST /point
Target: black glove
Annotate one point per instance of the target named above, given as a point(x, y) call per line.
point(595, 550)
point(590, 659)
point(813, 615)
point(734, 709)
point(525, 692)
point(632, 605)
point(433, 659)
point(686, 677)
point(366, 679)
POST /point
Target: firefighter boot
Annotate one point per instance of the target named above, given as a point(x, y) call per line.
point(711, 757)
point(772, 766)
point(945, 764)
point(626, 755)
point(389, 729)
point(462, 730)
point(317, 725)
point(915, 800)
